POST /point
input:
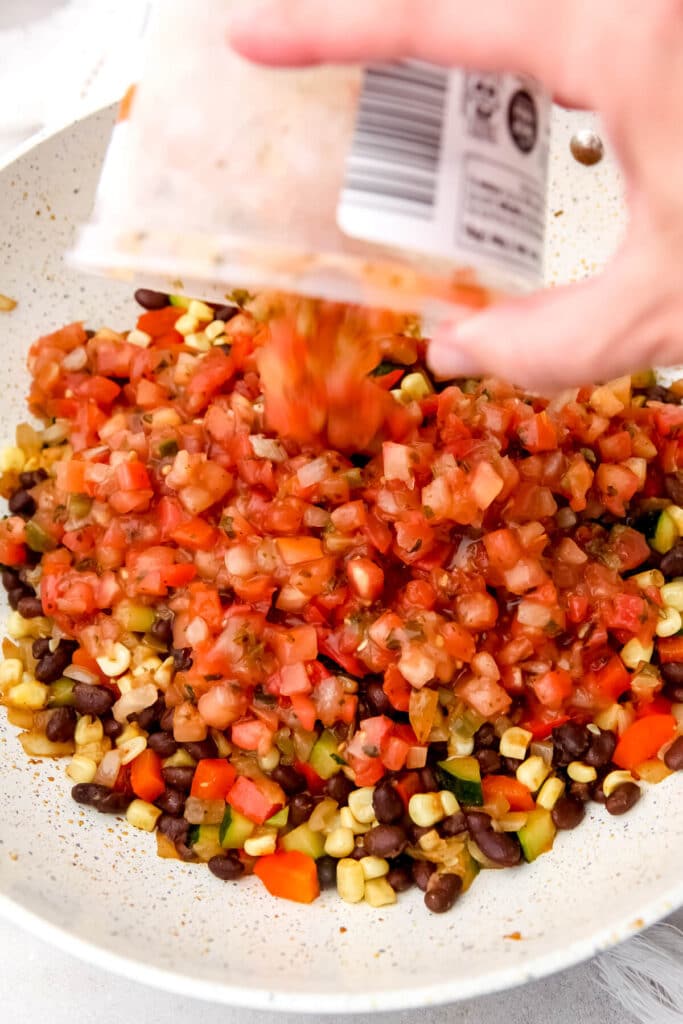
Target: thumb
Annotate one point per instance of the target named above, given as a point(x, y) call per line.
point(614, 323)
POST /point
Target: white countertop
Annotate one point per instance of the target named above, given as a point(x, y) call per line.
point(62, 59)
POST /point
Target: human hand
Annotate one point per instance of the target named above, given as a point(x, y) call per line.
point(622, 57)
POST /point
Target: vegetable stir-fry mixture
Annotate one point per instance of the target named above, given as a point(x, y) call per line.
point(305, 614)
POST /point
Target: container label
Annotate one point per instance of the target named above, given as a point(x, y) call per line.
point(450, 163)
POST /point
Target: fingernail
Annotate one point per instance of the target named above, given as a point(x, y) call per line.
point(446, 359)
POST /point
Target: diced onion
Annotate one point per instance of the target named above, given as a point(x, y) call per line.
point(313, 472)
point(81, 675)
point(134, 701)
point(267, 448)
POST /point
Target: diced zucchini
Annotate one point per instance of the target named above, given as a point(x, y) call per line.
point(181, 301)
point(462, 776)
point(537, 835)
point(472, 869)
point(204, 841)
point(385, 367)
point(37, 538)
point(136, 618)
point(279, 819)
point(167, 446)
point(322, 758)
point(304, 840)
point(234, 829)
point(181, 759)
point(666, 533)
point(61, 694)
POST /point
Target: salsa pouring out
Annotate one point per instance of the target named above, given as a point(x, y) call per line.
point(309, 615)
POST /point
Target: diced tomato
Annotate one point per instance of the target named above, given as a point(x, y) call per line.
point(538, 433)
point(670, 649)
point(252, 800)
point(314, 783)
point(213, 778)
point(159, 321)
point(553, 688)
point(610, 681)
point(641, 740)
point(397, 689)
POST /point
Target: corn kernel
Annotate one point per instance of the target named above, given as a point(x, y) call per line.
point(633, 652)
point(30, 694)
point(347, 820)
point(11, 671)
point(116, 662)
point(340, 842)
point(215, 330)
point(186, 324)
point(139, 338)
point(533, 772)
point(88, 730)
point(580, 772)
point(378, 893)
point(415, 386)
point(350, 880)
point(615, 779)
point(125, 682)
point(132, 749)
point(551, 791)
point(360, 802)
point(261, 843)
point(270, 760)
point(449, 802)
point(143, 815)
point(669, 622)
point(514, 742)
point(151, 664)
point(374, 867)
point(81, 768)
point(672, 594)
point(12, 459)
point(197, 341)
point(649, 578)
point(200, 311)
point(164, 674)
point(18, 627)
point(425, 809)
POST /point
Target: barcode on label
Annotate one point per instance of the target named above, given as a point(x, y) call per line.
point(393, 164)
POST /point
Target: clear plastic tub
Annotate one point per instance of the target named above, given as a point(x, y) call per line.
point(407, 186)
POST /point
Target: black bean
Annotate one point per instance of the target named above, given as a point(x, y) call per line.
point(61, 725)
point(32, 478)
point(30, 607)
point(453, 825)
point(673, 758)
point(15, 596)
point(478, 821)
point(182, 658)
point(422, 872)
point(22, 504)
point(377, 699)
point(511, 764)
point(387, 803)
point(92, 700)
point(163, 744)
point(601, 748)
point(201, 749)
point(672, 562)
point(184, 851)
point(674, 692)
point(428, 780)
point(171, 802)
point(338, 788)
point(175, 828)
point(442, 892)
point(489, 761)
point(657, 393)
point(228, 867)
point(673, 485)
point(225, 313)
point(623, 798)
point(568, 812)
point(500, 847)
point(327, 872)
point(570, 742)
point(111, 728)
point(289, 778)
point(166, 720)
point(598, 793)
point(162, 630)
point(438, 751)
point(385, 840)
point(149, 299)
point(300, 808)
point(400, 876)
point(51, 666)
point(672, 672)
point(179, 778)
point(485, 737)
point(415, 833)
point(582, 791)
point(40, 647)
point(100, 797)
point(149, 717)
point(10, 579)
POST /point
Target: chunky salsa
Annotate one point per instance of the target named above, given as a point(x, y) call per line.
point(310, 615)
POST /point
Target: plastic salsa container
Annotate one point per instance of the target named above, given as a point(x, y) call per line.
point(405, 185)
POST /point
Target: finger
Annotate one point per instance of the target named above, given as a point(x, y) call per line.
point(612, 324)
point(525, 35)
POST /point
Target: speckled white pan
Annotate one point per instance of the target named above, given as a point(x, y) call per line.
point(95, 887)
